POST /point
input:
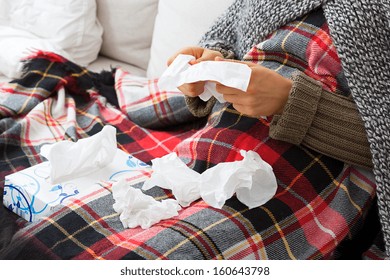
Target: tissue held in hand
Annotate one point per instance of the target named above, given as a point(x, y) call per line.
point(252, 179)
point(231, 74)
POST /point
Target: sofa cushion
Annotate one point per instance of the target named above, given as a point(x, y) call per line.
point(179, 24)
point(3, 79)
point(128, 29)
point(68, 27)
point(105, 63)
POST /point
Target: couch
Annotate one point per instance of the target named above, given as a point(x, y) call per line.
point(136, 35)
point(309, 218)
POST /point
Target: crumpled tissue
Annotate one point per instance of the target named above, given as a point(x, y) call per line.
point(76, 159)
point(252, 179)
point(231, 74)
point(138, 209)
point(171, 173)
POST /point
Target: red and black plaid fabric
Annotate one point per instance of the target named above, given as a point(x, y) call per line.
point(304, 45)
point(320, 202)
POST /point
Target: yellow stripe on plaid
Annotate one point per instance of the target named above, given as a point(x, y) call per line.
point(287, 55)
point(73, 239)
point(240, 247)
point(214, 140)
point(44, 75)
point(232, 215)
point(280, 231)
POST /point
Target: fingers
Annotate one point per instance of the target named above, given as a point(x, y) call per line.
point(197, 52)
point(235, 99)
point(171, 59)
point(200, 54)
point(208, 55)
point(193, 89)
point(228, 90)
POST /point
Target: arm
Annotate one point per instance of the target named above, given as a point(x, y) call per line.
point(304, 114)
point(326, 122)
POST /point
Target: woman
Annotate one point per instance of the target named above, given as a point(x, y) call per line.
point(318, 204)
point(330, 105)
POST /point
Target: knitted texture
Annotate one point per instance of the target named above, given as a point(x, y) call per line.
point(360, 31)
point(248, 22)
point(322, 121)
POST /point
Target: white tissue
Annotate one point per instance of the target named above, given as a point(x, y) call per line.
point(170, 172)
point(70, 160)
point(252, 179)
point(138, 209)
point(231, 74)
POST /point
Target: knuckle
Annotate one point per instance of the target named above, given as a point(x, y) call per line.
point(192, 91)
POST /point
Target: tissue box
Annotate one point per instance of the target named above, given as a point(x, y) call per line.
point(30, 194)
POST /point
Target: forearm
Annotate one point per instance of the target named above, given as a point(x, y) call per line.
point(326, 122)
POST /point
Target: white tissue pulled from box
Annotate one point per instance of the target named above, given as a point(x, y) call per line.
point(231, 74)
point(138, 209)
point(30, 193)
point(76, 159)
point(251, 179)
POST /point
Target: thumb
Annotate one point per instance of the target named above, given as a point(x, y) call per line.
point(195, 61)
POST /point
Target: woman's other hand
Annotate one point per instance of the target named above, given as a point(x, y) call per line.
point(200, 54)
point(267, 92)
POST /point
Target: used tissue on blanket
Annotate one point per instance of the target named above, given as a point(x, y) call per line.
point(170, 172)
point(231, 74)
point(251, 179)
point(31, 194)
point(138, 209)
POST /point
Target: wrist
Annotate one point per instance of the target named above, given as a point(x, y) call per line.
point(286, 86)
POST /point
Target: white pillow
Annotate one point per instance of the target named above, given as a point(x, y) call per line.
point(179, 24)
point(4, 12)
point(68, 27)
point(17, 44)
point(128, 29)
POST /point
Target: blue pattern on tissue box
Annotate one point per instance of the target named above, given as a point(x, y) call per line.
point(30, 194)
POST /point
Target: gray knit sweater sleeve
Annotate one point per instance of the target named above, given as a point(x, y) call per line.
point(326, 122)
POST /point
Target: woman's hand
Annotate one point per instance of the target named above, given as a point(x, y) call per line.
point(267, 93)
point(200, 54)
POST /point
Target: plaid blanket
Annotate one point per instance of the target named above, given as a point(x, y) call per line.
point(321, 203)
